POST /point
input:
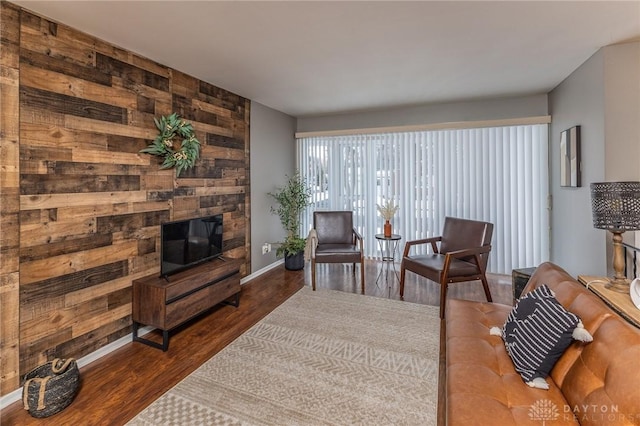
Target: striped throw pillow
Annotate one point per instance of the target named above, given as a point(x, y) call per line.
point(537, 332)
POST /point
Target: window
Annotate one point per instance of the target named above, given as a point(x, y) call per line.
point(497, 174)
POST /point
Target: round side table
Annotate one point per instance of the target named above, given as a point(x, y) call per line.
point(388, 248)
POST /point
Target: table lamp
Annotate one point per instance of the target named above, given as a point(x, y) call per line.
point(616, 208)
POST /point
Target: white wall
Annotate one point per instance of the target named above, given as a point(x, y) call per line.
point(622, 124)
point(622, 109)
point(603, 97)
point(272, 157)
point(578, 100)
point(515, 107)
point(273, 147)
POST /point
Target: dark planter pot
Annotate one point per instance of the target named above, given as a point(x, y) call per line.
point(294, 262)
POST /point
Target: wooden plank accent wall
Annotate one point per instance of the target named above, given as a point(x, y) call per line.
point(81, 207)
point(9, 197)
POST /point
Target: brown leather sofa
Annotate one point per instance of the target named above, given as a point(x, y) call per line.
point(596, 383)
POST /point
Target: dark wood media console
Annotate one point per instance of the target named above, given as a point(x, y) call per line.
point(167, 303)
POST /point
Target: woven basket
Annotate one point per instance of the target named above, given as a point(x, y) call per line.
point(51, 387)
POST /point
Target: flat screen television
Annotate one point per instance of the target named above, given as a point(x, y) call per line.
point(186, 243)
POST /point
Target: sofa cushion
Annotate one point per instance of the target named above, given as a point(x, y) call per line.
point(482, 386)
point(537, 331)
point(594, 384)
point(603, 373)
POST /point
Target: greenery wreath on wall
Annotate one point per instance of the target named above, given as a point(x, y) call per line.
point(164, 145)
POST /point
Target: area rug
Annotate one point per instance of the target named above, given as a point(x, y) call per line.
point(321, 358)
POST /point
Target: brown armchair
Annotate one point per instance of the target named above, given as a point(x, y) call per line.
point(461, 255)
point(335, 240)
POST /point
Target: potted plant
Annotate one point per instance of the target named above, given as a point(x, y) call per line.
point(292, 198)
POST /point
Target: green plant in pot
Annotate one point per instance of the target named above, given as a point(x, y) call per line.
point(291, 200)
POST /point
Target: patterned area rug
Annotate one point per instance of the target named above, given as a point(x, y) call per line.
point(321, 358)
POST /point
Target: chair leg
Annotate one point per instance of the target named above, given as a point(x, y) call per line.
point(402, 270)
point(354, 269)
point(361, 275)
point(443, 297)
point(313, 275)
point(485, 285)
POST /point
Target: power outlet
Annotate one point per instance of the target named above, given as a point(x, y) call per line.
point(266, 248)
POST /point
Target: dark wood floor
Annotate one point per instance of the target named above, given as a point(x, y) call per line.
point(119, 385)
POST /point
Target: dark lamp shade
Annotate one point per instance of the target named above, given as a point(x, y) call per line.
point(616, 205)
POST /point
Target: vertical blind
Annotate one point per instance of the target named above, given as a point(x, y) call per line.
point(495, 174)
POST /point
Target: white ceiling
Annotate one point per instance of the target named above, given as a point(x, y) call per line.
point(312, 58)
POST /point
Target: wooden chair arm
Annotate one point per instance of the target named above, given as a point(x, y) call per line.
point(469, 252)
point(314, 242)
point(475, 252)
point(358, 238)
point(432, 241)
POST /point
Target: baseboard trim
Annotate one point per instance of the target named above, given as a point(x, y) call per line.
point(261, 271)
point(16, 395)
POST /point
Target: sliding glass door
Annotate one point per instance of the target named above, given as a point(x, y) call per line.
point(497, 174)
